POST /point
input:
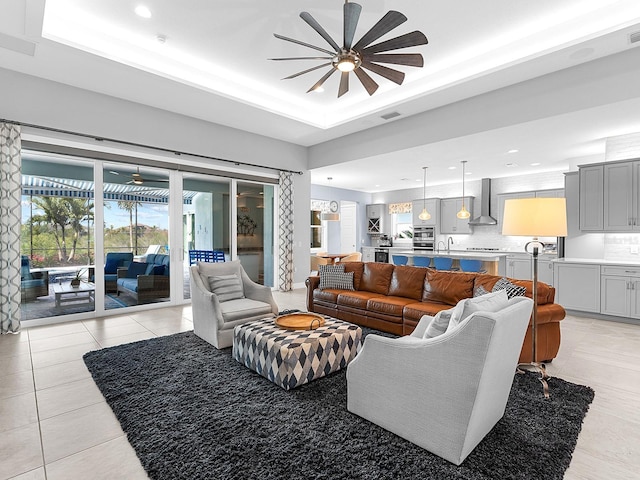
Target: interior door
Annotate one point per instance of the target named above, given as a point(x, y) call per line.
point(348, 227)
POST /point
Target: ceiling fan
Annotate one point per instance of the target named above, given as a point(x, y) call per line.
point(137, 179)
point(361, 55)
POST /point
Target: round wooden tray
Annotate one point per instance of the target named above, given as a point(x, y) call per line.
point(300, 321)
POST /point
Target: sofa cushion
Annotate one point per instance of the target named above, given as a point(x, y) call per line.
point(356, 299)
point(447, 287)
point(376, 277)
point(336, 280)
point(136, 268)
point(130, 284)
point(407, 282)
point(413, 312)
point(357, 268)
point(388, 305)
point(226, 287)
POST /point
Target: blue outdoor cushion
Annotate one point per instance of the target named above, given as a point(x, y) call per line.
point(158, 270)
point(111, 266)
point(129, 283)
point(136, 268)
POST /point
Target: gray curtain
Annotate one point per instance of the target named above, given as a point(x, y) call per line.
point(10, 223)
point(285, 233)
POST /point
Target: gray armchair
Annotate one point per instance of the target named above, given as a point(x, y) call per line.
point(223, 296)
point(446, 393)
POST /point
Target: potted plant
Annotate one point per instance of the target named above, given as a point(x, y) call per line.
point(75, 281)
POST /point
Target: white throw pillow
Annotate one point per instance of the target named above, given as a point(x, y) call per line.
point(439, 323)
point(226, 287)
point(490, 302)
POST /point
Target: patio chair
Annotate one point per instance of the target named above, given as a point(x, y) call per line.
point(112, 263)
point(151, 249)
point(32, 284)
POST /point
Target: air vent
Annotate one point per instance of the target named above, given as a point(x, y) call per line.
point(634, 37)
point(389, 116)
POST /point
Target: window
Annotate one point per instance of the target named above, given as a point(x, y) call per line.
point(402, 227)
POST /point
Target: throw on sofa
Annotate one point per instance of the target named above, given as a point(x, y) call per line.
point(146, 281)
point(394, 298)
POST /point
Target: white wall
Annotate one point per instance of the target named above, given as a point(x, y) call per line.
point(32, 100)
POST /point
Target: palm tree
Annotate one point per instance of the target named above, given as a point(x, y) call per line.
point(130, 206)
point(56, 215)
point(79, 211)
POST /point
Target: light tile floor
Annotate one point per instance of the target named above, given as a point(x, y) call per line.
point(55, 424)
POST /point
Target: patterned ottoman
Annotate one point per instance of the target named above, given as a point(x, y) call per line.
point(291, 358)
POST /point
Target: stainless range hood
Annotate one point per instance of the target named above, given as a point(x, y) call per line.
point(485, 203)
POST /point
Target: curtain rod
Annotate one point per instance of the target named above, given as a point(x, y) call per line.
point(134, 144)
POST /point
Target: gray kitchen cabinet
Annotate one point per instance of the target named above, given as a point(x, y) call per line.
point(620, 291)
point(619, 213)
point(433, 207)
point(545, 272)
point(577, 286)
point(449, 222)
point(592, 198)
point(368, 254)
point(508, 196)
point(520, 267)
point(553, 193)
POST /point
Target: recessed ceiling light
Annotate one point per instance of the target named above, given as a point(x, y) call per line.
point(513, 150)
point(452, 168)
point(143, 11)
point(161, 38)
point(377, 185)
point(468, 173)
point(510, 165)
point(535, 164)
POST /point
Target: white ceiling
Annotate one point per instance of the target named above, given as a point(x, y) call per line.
point(214, 66)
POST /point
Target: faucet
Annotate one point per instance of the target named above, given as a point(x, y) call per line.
point(449, 243)
point(438, 247)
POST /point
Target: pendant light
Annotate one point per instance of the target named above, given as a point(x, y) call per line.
point(463, 213)
point(424, 215)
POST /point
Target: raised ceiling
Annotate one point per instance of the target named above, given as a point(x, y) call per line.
point(213, 65)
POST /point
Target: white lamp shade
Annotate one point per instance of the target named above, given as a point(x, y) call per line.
point(535, 217)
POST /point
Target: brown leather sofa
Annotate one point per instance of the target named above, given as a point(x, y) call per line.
point(393, 299)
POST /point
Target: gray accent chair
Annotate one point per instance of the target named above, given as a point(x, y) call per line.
point(446, 393)
point(214, 320)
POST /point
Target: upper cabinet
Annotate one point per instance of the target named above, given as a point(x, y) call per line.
point(376, 218)
point(592, 198)
point(610, 197)
point(449, 222)
point(433, 207)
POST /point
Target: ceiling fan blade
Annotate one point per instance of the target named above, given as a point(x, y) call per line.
point(386, 72)
point(306, 16)
point(403, 41)
point(391, 20)
point(293, 40)
point(301, 58)
point(409, 59)
point(351, 17)
point(319, 83)
point(367, 82)
point(344, 84)
point(306, 71)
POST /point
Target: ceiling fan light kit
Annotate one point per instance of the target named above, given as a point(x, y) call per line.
point(362, 55)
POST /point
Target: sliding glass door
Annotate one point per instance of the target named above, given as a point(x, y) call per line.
point(205, 221)
point(255, 234)
point(57, 239)
point(136, 264)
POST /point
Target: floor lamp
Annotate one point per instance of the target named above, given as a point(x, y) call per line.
point(535, 217)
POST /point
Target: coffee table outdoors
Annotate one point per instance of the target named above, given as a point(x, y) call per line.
point(290, 358)
point(68, 296)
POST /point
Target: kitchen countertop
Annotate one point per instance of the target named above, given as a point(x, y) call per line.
point(599, 261)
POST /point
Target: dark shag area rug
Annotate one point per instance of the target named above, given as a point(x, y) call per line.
point(192, 412)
